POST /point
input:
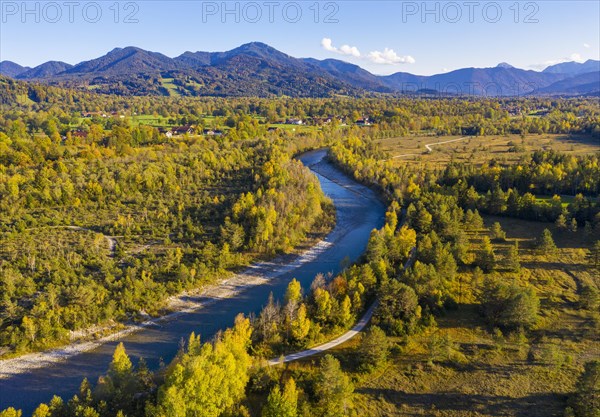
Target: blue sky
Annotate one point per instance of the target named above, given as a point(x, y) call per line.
point(381, 36)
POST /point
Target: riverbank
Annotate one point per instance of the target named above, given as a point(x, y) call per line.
point(187, 302)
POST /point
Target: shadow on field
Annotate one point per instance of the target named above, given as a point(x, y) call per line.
point(540, 404)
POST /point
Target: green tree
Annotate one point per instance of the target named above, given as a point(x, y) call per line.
point(512, 258)
point(546, 244)
point(485, 257)
point(398, 308)
point(561, 222)
point(294, 292)
point(586, 400)
point(300, 325)
point(208, 380)
point(508, 305)
point(497, 233)
point(282, 404)
point(333, 389)
point(374, 349)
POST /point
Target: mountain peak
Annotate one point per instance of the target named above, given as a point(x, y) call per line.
point(504, 65)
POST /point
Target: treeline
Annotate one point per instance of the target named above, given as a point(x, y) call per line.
point(392, 116)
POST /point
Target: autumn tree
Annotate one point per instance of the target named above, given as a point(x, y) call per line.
point(282, 403)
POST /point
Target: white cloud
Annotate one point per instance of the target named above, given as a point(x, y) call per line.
point(350, 50)
point(573, 57)
point(586, 45)
point(576, 57)
point(387, 57)
point(327, 44)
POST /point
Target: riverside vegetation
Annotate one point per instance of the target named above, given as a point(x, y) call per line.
point(498, 314)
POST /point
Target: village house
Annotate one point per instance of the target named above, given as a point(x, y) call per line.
point(183, 130)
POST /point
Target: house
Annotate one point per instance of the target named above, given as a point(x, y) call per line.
point(79, 134)
point(294, 122)
point(363, 122)
point(183, 130)
point(93, 114)
point(212, 132)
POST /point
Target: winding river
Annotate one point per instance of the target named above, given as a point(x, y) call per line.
point(358, 212)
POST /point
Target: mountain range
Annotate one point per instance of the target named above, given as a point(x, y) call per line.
point(256, 69)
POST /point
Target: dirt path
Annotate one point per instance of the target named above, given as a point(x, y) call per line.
point(429, 145)
point(112, 240)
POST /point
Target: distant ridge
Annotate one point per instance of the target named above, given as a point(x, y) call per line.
point(257, 69)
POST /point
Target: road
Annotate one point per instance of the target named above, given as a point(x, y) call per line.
point(429, 145)
point(346, 336)
point(329, 345)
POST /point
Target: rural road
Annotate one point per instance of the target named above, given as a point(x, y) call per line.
point(346, 336)
point(112, 241)
point(329, 345)
point(429, 145)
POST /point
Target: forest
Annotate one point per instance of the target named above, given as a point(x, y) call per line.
point(474, 266)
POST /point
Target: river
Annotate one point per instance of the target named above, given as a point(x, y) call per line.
point(358, 211)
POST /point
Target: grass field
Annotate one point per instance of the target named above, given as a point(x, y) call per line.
point(483, 372)
point(479, 149)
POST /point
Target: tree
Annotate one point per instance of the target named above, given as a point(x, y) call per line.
point(333, 389)
point(323, 305)
point(374, 349)
point(498, 234)
point(585, 402)
point(561, 222)
point(508, 305)
point(573, 225)
point(546, 244)
point(207, 381)
point(300, 326)
point(282, 404)
point(512, 258)
point(594, 257)
point(121, 365)
point(11, 412)
point(294, 292)
point(398, 308)
point(485, 257)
